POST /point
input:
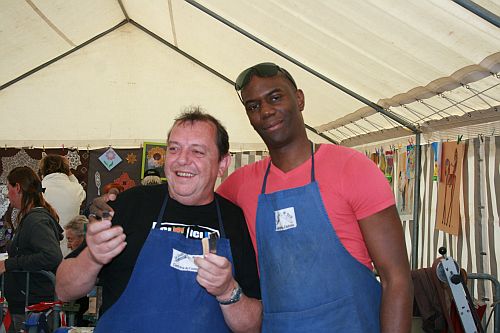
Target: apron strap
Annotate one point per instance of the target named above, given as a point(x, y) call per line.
point(313, 176)
point(219, 217)
point(159, 219)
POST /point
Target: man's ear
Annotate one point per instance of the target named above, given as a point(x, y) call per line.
point(224, 164)
point(301, 100)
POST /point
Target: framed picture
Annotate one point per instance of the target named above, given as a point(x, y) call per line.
point(153, 157)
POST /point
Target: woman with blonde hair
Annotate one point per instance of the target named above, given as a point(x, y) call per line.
point(34, 247)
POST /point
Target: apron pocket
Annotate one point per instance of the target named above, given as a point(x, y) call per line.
point(162, 321)
point(337, 316)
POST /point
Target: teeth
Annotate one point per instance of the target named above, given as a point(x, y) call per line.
point(184, 174)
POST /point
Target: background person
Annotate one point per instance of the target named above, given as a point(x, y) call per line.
point(75, 231)
point(151, 177)
point(75, 234)
point(34, 247)
point(318, 219)
point(62, 190)
point(150, 262)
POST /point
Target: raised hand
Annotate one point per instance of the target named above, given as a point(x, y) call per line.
point(104, 241)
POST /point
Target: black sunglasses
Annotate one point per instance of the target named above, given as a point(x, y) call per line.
point(265, 69)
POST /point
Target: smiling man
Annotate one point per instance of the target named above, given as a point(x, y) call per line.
point(150, 262)
point(320, 219)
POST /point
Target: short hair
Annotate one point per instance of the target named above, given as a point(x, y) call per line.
point(54, 164)
point(77, 225)
point(193, 114)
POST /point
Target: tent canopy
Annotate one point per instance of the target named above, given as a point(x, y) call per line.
point(117, 72)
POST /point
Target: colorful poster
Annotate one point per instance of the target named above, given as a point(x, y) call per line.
point(437, 149)
point(389, 169)
point(448, 210)
point(153, 157)
point(405, 171)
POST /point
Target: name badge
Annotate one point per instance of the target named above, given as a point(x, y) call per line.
point(285, 219)
point(183, 261)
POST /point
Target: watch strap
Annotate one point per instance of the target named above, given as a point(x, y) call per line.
point(235, 296)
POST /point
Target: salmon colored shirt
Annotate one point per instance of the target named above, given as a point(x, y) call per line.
point(351, 185)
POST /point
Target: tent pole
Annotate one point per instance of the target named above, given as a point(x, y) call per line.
point(211, 70)
point(416, 204)
point(480, 11)
point(349, 92)
point(312, 129)
point(76, 48)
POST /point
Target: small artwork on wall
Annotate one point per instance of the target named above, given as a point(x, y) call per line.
point(153, 157)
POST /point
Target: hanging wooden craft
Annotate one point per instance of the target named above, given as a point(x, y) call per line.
point(449, 187)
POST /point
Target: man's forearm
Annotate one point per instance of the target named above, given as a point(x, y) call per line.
point(244, 315)
point(76, 276)
point(396, 308)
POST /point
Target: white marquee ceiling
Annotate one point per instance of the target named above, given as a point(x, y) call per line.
point(116, 72)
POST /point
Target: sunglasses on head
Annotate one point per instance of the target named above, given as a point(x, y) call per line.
point(265, 69)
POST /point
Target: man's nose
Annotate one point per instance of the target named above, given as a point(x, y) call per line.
point(266, 110)
point(184, 156)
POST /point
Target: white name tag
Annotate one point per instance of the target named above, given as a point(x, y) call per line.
point(183, 261)
point(285, 219)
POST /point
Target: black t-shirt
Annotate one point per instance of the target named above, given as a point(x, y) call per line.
point(136, 210)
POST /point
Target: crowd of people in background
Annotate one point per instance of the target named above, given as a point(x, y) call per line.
point(42, 225)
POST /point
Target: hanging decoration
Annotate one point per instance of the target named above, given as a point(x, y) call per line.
point(153, 157)
point(437, 149)
point(404, 199)
point(110, 159)
point(125, 181)
point(131, 158)
point(449, 187)
point(19, 159)
point(97, 178)
point(74, 159)
point(4, 200)
point(389, 169)
point(96, 186)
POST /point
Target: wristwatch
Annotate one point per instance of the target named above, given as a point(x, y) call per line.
point(235, 296)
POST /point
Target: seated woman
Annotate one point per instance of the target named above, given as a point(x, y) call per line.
point(75, 234)
point(75, 231)
point(34, 247)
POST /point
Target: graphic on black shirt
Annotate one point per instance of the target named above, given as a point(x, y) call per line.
point(190, 231)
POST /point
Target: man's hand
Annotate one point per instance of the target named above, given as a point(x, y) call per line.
point(100, 205)
point(104, 241)
point(215, 275)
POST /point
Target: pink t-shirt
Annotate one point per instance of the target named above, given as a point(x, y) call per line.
point(351, 185)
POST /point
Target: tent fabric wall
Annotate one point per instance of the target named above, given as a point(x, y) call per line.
point(477, 248)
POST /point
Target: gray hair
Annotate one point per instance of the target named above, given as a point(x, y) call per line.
point(77, 225)
point(151, 180)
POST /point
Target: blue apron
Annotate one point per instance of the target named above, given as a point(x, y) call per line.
point(160, 298)
point(309, 281)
